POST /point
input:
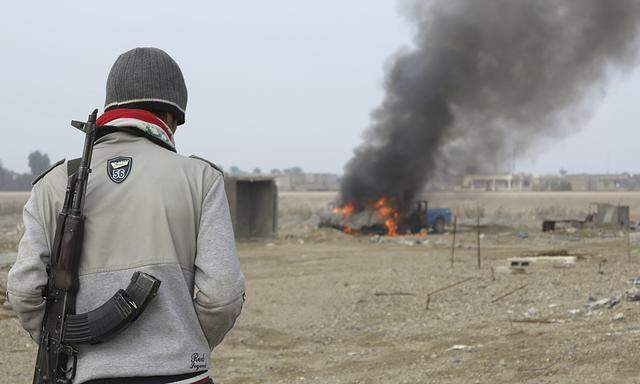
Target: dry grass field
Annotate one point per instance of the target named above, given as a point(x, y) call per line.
point(324, 307)
point(11, 204)
point(509, 209)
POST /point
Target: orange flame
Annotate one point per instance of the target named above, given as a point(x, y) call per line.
point(392, 227)
point(381, 202)
point(383, 209)
point(345, 210)
point(348, 209)
point(389, 214)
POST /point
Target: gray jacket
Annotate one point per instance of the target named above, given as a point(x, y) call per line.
point(169, 218)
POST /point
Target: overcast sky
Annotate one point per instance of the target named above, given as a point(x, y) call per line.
point(271, 84)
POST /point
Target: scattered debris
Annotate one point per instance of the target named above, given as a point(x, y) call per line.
point(633, 294)
point(531, 312)
point(525, 261)
point(394, 294)
point(552, 225)
point(609, 302)
point(462, 347)
point(618, 316)
point(551, 252)
point(614, 301)
point(575, 311)
point(411, 242)
point(522, 235)
point(597, 304)
point(537, 321)
point(405, 241)
point(560, 258)
point(519, 263)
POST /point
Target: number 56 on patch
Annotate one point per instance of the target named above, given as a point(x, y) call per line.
point(119, 168)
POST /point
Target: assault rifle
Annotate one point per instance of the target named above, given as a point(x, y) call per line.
point(62, 328)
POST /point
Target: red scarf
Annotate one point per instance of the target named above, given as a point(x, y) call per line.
point(143, 120)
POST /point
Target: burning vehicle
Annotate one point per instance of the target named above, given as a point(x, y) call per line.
point(381, 217)
point(474, 91)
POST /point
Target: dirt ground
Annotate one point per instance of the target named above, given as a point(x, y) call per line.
point(324, 307)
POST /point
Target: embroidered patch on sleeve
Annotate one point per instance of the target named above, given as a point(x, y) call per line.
point(119, 168)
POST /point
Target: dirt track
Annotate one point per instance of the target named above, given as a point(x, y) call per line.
point(323, 307)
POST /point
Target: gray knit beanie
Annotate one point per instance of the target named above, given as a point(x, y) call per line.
point(147, 78)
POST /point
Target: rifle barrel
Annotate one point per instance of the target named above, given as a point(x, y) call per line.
point(85, 165)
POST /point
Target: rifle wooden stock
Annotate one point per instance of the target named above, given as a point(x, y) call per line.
point(65, 270)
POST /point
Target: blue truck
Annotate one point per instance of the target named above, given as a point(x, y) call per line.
point(424, 218)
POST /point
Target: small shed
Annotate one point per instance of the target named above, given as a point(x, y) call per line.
point(253, 202)
point(609, 214)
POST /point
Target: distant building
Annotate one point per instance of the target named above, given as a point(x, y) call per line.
point(609, 182)
point(308, 182)
point(551, 183)
point(498, 182)
point(560, 182)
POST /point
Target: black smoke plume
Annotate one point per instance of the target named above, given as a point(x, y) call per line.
point(486, 78)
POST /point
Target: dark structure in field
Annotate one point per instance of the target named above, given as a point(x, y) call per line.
point(600, 215)
point(253, 202)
